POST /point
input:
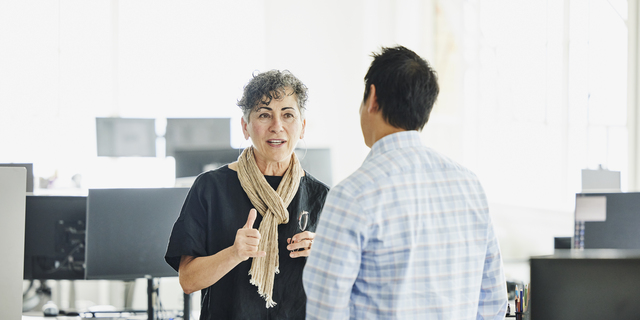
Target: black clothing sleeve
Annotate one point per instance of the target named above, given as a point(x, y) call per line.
point(188, 236)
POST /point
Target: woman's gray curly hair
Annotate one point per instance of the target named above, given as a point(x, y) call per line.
point(270, 85)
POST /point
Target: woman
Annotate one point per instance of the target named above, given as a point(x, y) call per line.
point(237, 237)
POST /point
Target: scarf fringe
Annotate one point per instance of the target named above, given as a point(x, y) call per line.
point(269, 301)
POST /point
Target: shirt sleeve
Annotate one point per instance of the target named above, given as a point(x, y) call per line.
point(188, 236)
point(333, 265)
point(493, 290)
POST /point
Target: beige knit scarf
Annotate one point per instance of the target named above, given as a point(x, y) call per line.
point(272, 205)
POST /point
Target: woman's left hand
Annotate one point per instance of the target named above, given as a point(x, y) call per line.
point(300, 244)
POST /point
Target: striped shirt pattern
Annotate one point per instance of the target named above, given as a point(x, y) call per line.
point(406, 236)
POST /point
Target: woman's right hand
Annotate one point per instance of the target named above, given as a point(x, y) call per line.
point(248, 239)
point(202, 272)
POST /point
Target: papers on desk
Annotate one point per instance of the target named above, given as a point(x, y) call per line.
point(591, 208)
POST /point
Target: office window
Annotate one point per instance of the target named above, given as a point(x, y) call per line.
point(545, 95)
point(598, 80)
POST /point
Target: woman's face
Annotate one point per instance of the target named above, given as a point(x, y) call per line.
point(275, 130)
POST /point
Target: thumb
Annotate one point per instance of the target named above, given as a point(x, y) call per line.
point(251, 219)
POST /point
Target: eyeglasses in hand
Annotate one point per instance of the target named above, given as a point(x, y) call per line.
point(303, 220)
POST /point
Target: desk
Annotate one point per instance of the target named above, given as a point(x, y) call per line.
point(41, 317)
point(34, 315)
point(586, 284)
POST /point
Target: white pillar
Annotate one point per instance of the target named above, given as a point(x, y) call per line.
point(633, 96)
point(13, 190)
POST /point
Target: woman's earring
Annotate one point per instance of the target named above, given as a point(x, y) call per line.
point(243, 146)
point(305, 150)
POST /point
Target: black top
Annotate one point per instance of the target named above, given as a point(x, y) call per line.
point(215, 208)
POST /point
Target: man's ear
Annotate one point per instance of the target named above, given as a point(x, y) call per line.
point(372, 100)
point(244, 128)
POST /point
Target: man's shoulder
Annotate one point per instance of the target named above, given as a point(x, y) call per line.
point(420, 161)
point(443, 162)
point(354, 184)
point(417, 158)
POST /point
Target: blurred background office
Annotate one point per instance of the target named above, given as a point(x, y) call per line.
point(532, 92)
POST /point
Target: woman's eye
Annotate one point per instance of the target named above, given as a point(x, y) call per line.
point(290, 116)
point(263, 116)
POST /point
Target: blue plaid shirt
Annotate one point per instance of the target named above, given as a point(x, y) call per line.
point(406, 236)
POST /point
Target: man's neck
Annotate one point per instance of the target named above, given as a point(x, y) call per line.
point(381, 129)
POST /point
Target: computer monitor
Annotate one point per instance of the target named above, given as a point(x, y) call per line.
point(128, 232)
point(618, 230)
point(29, 167)
point(126, 137)
point(585, 284)
point(317, 162)
point(197, 134)
point(54, 242)
point(190, 163)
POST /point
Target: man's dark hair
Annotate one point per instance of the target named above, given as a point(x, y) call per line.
point(268, 85)
point(406, 87)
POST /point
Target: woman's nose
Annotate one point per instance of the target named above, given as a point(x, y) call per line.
point(276, 125)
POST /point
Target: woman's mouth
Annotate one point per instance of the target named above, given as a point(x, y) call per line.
point(276, 142)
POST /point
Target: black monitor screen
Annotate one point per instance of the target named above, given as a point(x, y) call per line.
point(585, 284)
point(54, 244)
point(126, 137)
point(128, 232)
point(197, 134)
point(190, 163)
point(620, 229)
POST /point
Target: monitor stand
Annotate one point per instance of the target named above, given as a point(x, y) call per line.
point(150, 298)
point(150, 291)
point(187, 307)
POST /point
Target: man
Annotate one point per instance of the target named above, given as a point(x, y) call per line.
point(408, 235)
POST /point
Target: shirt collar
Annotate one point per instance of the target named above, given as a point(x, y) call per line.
point(398, 140)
